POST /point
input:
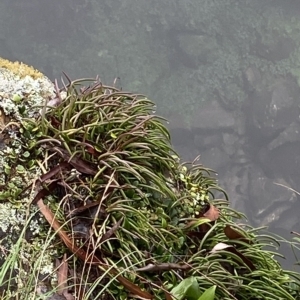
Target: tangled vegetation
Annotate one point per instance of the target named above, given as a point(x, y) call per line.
point(128, 219)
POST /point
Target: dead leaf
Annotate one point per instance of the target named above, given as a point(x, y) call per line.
point(233, 234)
point(168, 296)
point(45, 191)
point(203, 223)
point(57, 169)
point(48, 175)
point(54, 122)
point(219, 247)
point(213, 213)
point(229, 248)
point(83, 208)
point(81, 165)
point(62, 276)
point(111, 231)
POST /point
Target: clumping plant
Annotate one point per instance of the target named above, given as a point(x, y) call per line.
point(102, 194)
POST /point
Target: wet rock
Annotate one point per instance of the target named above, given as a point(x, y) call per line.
point(252, 79)
point(212, 116)
point(181, 136)
point(285, 94)
point(215, 158)
point(230, 143)
point(274, 108)
point(22, 91)
point(235, 182)
point(290, 135)
point(274, 50)
point(283, 161)
point(267, 200)
point(204, 141)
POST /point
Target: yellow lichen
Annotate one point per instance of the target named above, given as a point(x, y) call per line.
point(20, 69)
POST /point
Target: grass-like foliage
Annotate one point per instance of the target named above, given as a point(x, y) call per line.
point(137, 223)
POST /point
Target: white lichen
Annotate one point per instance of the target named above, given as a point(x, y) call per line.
point(21, 96)
point(33, 92)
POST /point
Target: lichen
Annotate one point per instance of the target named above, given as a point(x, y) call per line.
point(20, 69)
point(23, 91)
point(29, 91)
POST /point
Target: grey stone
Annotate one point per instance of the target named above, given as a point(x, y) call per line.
point(212, 116)
point(268, 199)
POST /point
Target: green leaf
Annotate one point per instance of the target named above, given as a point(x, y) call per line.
point(20, 169)
point(209, 294)
point(113, 135)
point(26, 154)
point(196, 223)
point(187, 288)
point(17, 98)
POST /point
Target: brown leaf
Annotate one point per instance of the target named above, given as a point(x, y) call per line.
point(68, 296)
point(213, 213)
point(81, 165)
point(90, 149)
point(168, 296)
point(45, 191)
point(233, 234)
point(54, 171)
point(111, 231)
point(62, 276)
point(48, 175)
point(54, 122)
point(86, 256)
point(83, 208)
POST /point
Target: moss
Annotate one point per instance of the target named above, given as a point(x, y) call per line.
point(20, 69)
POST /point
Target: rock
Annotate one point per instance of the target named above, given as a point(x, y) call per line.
point(285, 94)
point(212, 116)
point(284, 160)
point(275, 50)
point(230, 141)
point(215, 158)
point(235, 182)
point(274, 109)
point(267, 200)
point(290, 135)
point(252, 79)
point(203, 141)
